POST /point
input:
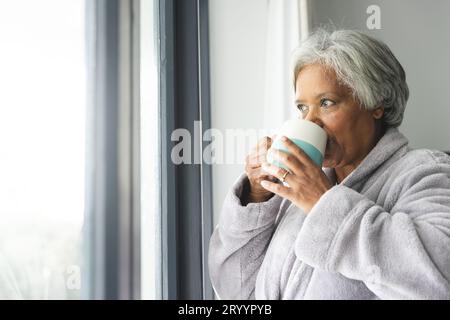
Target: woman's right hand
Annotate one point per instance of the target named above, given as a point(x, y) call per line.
point(253, 163)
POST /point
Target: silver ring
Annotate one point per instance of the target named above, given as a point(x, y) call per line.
point(283, 178)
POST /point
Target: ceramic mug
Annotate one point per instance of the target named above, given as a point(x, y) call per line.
point(307, 135)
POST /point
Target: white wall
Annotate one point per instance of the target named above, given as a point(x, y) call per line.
point(417, 33)
point(237, 58)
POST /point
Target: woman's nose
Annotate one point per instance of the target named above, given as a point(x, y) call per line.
point(314, 116)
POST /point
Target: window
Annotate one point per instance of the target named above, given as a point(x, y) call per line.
point(92, 205)
point(122, 217)
point(42, 148)
point(150, 155)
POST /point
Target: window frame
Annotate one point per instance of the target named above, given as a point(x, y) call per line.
point(111, 249)
point(112, 230)
point(186, 189)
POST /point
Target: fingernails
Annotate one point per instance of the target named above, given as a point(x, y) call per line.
point(283, 138)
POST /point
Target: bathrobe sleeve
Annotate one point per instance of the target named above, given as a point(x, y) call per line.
point(239, 243)
point(401, 254)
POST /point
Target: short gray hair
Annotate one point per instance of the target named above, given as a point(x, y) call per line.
point(364, 64)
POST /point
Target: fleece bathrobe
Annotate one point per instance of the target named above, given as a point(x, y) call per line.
point(382, 233)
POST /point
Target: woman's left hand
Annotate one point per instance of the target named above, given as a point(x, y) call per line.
point(307, 182)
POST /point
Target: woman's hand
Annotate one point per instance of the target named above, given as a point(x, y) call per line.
point(255, 174)
point(307, 182)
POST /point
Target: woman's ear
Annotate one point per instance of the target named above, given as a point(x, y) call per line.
point(378, 113)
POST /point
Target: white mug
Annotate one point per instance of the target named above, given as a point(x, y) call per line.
point(307, 135)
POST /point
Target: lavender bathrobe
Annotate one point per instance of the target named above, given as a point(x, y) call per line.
point(382, 233)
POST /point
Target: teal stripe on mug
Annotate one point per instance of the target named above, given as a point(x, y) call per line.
point(308, 148)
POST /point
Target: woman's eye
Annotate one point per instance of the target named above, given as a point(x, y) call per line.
point(326, 103)
point(302, 108)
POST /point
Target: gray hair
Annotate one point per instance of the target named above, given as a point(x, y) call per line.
point(364, 64)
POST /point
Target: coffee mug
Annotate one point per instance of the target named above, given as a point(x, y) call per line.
point(307, 135)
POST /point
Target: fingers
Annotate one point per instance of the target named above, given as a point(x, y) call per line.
point(258, 154)
point(297, 152)
point(264, 176)
point(263, 145)
point(255, 161)
point(276, 171)
point(277, 188)
point(290, 161)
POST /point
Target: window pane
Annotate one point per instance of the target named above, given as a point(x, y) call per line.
point(150, 156)
point(42, 147)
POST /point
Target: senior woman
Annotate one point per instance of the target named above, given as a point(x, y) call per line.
point(374, 223)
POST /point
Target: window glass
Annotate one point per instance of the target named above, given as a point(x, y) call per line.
point(42, 147)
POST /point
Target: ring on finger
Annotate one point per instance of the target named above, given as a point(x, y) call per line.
point(283, 178)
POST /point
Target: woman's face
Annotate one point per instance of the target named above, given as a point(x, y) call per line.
point(351, 130)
